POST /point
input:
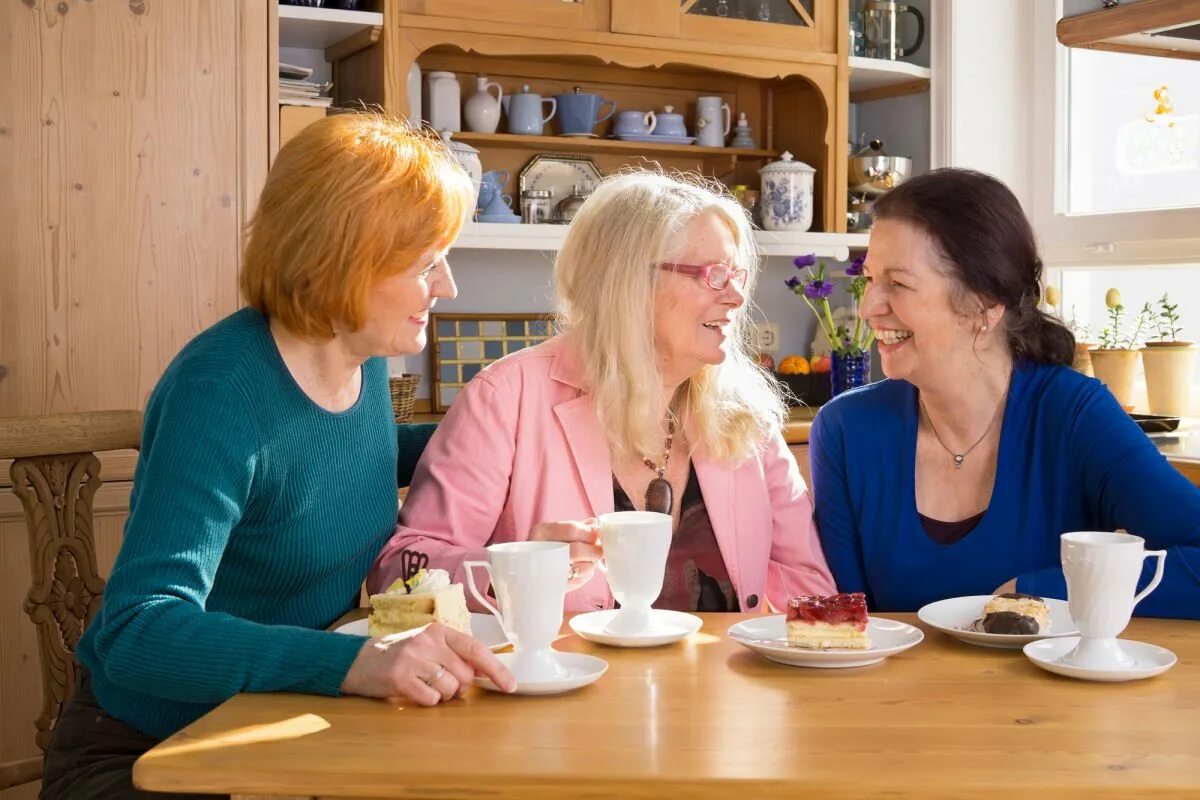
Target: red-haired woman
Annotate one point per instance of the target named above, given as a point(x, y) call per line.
point(266, 482)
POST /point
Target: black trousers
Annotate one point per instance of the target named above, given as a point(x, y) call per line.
point(91, 754)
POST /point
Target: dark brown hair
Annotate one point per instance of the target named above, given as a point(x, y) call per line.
point(989, 247)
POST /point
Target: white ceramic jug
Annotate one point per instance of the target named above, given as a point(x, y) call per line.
point(482, 110)
point(710, 132)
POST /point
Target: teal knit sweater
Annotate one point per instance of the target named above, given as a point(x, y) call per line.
point(254, 517)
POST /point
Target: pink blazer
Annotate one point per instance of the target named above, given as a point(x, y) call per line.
point(522, 445)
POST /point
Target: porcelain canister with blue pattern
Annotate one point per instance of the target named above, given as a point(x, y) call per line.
point(786, 201)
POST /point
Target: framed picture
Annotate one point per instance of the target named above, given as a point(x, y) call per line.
point(463, 344)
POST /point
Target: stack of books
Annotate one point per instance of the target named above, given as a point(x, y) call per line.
point(295, 88)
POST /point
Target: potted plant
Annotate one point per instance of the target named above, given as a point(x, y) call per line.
point(851, 357)
point(1170, 363)
point(1115, 360)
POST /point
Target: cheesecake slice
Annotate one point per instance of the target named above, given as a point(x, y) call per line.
point(837, 621)
point(426, 597)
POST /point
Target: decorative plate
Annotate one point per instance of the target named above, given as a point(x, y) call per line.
point(560, 174)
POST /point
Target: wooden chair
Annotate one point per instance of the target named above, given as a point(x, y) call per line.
point(55, 473)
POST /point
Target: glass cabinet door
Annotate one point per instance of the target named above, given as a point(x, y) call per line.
point(789, 23)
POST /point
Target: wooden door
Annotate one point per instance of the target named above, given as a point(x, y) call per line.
point(133, 144)
point(579, 15)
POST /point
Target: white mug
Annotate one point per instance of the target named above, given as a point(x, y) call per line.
point(635, 545)
point(530, 579)
point(1102, 571)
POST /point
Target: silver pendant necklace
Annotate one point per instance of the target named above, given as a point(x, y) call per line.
point(959, 458)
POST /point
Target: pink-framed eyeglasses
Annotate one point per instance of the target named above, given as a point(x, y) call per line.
point(716, 276)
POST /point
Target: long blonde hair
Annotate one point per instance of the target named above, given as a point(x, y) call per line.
point(606, 276)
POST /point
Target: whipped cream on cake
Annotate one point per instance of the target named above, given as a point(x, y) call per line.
point(1014, 613)
point(428, 596)
point(835, 621)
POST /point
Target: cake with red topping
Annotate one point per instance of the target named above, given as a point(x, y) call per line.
point(820, 623)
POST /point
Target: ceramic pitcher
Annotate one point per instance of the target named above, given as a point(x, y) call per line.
point(579, 112)
point(482, 110)
point(711, 112)
point(524, 111)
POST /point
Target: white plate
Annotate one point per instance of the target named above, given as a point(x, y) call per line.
point(665, 627)
point(954, 615)
point(652, 139)
point(484, 627)
point(767, 636)
point(581, 670)
point(1150, 660)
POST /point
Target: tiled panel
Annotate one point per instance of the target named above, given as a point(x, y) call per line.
point(464, 344)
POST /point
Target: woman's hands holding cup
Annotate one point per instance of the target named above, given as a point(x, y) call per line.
point(583, 537)
point(437, 664)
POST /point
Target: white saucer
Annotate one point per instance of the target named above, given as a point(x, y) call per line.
point(665, 627)
point(580, 135)
point(653, 139)
point(1150, 660)
point(484, 627)
point(581, 670)
point(767, 636)
point(954, 615)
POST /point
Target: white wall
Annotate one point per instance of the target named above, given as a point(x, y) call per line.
point(989, 77)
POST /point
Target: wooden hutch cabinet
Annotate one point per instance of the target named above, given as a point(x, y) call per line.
point(791, 80)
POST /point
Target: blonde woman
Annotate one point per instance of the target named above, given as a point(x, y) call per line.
point(267, 477)
point(648, 400)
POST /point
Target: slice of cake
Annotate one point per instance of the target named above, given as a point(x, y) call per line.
point(820, 623)
point(1015, 613)
point(428, 596)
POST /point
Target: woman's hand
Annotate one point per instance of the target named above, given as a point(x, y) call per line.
point(585, 551)
point(437, 664)
point(1007, 588)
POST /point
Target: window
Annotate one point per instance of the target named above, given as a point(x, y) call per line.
point(1104, 190)
point(1133, 132)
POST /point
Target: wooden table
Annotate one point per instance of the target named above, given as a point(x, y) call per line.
point(707, 718)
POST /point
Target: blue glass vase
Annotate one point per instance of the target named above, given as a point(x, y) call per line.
point(849, 370)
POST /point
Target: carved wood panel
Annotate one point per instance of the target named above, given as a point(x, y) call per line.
point(56, 493)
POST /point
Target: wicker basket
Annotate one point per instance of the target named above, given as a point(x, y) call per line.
point(403, 389)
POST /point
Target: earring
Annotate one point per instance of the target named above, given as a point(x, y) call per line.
point(984, 328)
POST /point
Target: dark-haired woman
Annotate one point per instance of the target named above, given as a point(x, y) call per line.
point(957, 474)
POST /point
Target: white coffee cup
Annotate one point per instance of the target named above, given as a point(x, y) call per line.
point(530, 579)
point(635, 545)
point(1102, 571)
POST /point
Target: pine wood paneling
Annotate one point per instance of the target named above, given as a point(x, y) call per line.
point(133, 137)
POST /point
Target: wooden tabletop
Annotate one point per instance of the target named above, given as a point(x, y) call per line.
point(706, 716)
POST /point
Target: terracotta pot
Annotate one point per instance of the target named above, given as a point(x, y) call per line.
point(1170, 372)
point(1083, 361)
point(1115, 369)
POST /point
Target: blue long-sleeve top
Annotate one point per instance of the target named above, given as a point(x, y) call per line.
point(1069, 459)
point(254, 518)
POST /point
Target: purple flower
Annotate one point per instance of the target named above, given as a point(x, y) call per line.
point(804, 261)
point(793, 283)
point(818, 290)
point(856, 267)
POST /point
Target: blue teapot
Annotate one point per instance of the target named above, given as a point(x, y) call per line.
point(524, 110)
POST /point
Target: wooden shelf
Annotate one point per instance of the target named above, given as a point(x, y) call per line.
point(877, 79)
point(318, 28)
point(576, 144)
point(549, 238)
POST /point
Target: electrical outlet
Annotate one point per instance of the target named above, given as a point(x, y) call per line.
point(766, 337)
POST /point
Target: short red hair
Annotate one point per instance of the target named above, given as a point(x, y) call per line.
point(352, 199)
